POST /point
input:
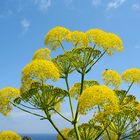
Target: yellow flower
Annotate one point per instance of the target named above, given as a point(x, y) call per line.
point(111, 78)
point(43, 54)
point(108, 41)
point(78, 38)
point(26, 85)
point(9, 135)
point(55, 37)
point(138, 107)
point(96, 95)
point(6, 96)
point(41, 70)
point(75, 90)
point(131, 75)
point(65, 133)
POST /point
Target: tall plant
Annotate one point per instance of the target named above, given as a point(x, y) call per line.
point(115, 111)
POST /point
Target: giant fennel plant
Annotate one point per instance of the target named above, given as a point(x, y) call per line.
point(115, 110)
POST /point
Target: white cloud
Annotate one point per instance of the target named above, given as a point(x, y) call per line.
point(136, 7)
point(43, 4)
point(114, 4)
point(6, 13)
point(96, 2)
point(25, 24)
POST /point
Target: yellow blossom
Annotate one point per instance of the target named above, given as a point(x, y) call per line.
point(138, 107)
point(65, 133)
point(108, 41)
point(78, 38)
point(55, 37)
point(6, 96)
point(96, 95)
point(131, 75)
point(75, 90)
point(43, 53)
point(111, 78)
point(9, 135)
point(41, 70)
point(26, 85)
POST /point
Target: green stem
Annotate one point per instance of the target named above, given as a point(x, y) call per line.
point(70, 99)
point(104, 125)
point(52, 123)
point(62, 116)
point(56, 129)
point(29, 107)
point(96, 61)
point(127, 92)
point(81, 90)
point(76, 115)
point(28, 111)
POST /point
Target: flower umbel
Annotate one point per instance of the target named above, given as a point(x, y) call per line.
point(40, 70)
point(108, 41)
point(131, 75)
point(43, 54)
point(111, 78)
point(96, 95)
point(6, 96)
point(9, 135)
point(78, 38)
point(55, 37)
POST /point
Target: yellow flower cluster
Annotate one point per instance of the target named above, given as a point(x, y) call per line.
point(55, 37)
point(97, 95)
point(26, 85)
point(108, 41)
point(75, 90)
point(131, 75)
point(64, 132)
point(41, 70)
point(78, 38)
point(9, 135)
point(111, 78)
point(138, 107)
point(43, 54)
point(6, 95)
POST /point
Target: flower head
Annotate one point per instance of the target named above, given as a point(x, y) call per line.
point(78, 38)
point(55, 37)
point(40, 70)
point(75, 90)
point(131, 75)
point(43, 54)
point(108, 41)
point(6, 96)
point(9, 135)
point(111, 78)
point(96, 95)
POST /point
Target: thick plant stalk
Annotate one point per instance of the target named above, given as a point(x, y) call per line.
point(72, 111)
point(52, 123)
point(70, 100)
point(56, 129)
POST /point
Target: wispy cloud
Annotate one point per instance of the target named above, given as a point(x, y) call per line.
point(6, 13)
point(43, 4)
point(136, 7)
point(96, 2)
point(114, 4)
point(25, 24)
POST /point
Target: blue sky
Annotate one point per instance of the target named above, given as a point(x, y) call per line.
point(23, 25)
